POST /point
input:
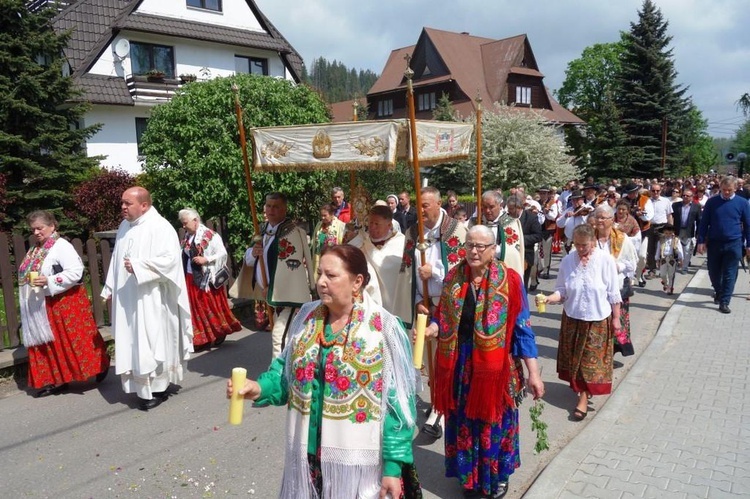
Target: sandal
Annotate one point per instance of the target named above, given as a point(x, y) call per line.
point(579, 415)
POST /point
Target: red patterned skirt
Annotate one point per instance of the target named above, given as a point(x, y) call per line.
point(584, 354)
point(78, 351)
point(210, 312)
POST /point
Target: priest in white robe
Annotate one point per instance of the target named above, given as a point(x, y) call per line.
point(383, 247)
point(150, 308)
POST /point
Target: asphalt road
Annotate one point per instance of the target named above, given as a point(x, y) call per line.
point(93, 442)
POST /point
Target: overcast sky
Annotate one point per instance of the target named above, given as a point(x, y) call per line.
point(710, 38)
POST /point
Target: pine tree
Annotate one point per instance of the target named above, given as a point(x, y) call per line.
point(608, 155)
point(42, 152)
point(649, 94)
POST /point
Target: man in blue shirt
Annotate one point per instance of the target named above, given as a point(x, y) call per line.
point(725, 230)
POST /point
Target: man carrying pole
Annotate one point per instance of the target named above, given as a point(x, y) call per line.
point(439, 240)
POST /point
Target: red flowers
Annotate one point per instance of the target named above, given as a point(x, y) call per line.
point(342, 383)
point(286, 249)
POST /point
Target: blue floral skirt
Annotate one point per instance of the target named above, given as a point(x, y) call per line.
point(479, 454)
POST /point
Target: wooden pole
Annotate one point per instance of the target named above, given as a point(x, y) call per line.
point(479, 159)
point(257, 237)
point(663, 145)
point(352, 177)
point(421, 246)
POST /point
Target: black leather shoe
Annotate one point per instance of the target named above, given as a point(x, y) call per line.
point(724, 309)
point(433, 430)
point(641, 283)
point(51, 390)
point(533, 288)
point(147, 405)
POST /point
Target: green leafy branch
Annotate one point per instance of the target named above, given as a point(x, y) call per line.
point(539, 426)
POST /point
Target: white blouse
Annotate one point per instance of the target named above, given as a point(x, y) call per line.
point(588, 291)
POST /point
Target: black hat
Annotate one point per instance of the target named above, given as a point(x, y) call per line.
point(591, 186)
point(576, 194)
point(631, 187)
point(544, 188)
point(667, 227)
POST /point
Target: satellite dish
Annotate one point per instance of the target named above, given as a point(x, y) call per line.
point(122, 48)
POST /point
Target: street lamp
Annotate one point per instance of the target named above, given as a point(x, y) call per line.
point(741, 157)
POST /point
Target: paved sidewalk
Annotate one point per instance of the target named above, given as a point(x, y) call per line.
point(679, 424)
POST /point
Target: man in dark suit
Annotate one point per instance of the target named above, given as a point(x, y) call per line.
point(531, 233)
point(406, 214)
point(686, 214)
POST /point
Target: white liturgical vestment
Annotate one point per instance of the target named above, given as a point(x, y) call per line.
point(150, 308)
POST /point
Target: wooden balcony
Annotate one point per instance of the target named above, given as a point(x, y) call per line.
point(148, 89)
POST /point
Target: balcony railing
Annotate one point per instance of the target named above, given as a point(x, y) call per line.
point(148, 88)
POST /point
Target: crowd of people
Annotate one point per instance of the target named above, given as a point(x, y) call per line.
point(343, 300)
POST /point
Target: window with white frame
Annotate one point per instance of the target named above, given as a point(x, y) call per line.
point(426, 101)
point(523, 95)
point(385, 107)
point(205, 4)
point(250, 65)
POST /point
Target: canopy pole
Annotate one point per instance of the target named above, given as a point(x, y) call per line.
point(352, 176)
point(479, 159)
point(257, 237)
point(422, 247)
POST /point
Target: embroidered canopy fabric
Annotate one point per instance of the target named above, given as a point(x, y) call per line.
point(358, 145)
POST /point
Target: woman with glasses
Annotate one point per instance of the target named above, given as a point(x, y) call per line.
point(587, 287)
point(614, 241)
point(483, 331)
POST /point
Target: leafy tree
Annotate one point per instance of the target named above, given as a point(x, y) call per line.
point(521, 149)
point(193, 157)
point(591, 80)
point(41, 153)
point(648, 94)
point(744, 103)
point(97, 200)
point(588, 90)
point(696, 151)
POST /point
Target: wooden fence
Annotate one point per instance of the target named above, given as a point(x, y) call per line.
point(95, 253)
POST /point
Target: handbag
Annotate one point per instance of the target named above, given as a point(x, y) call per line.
point(220, 278)
point(627, 289)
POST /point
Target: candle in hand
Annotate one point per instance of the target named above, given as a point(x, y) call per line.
point(237, 402)
point(419, 342)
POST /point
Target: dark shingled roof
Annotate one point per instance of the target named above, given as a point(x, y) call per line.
point(93, 24)
point(208, 32)
point(480, 66)
point(100, 89)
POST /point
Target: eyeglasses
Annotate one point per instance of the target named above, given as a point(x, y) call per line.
point(655, 190)
point(479, 247)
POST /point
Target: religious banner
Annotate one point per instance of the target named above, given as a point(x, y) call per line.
point(439, 141)
point(358, 145)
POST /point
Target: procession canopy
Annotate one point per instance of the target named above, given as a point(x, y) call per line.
point(357, 145)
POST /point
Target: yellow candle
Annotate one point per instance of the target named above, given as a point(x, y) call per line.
point(33, 275)
point(541, 305)
point(237, 402)
point(419, 343)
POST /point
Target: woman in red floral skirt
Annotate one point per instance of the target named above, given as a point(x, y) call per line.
point(59, 330)
point(204, 260)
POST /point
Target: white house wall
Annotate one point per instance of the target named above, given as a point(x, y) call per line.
point(116, 140)
point(191, 56)
point(236, 13)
